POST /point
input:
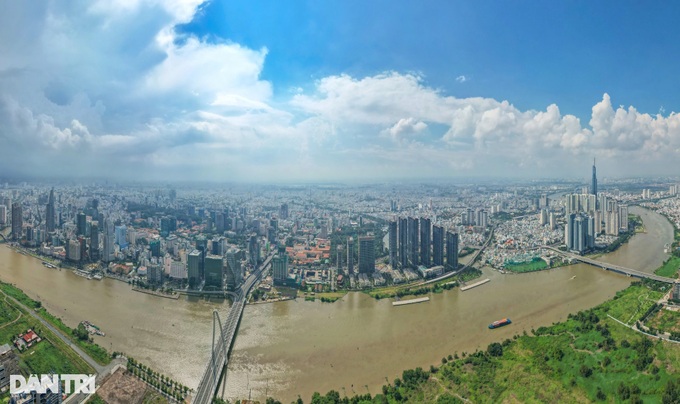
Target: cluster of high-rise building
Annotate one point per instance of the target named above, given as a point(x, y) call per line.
point(416, 242)
point(89, 234)
point(478, 217)
point(590, 214)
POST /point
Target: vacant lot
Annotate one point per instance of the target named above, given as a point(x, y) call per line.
point(122, 388)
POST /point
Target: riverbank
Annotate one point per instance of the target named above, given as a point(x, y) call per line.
point(173, 296)
point(588, 357)
point(99, 354)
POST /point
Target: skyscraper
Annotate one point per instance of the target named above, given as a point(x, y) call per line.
point(121, 236)
point(234, 268)
point(254, 250)
point(412, 246)
point(81, 224)
point(49, 213)
point(593, 187)
point(17, 221)
point(393, 244)
point(94, 242)
point(366, 254)
point(438, 245)
point(425, 228)
point(109, 239)
point(194, 268)
point(403, 241)
point(213, 272)
point(155, 247)
point(283, 211)
point(280, 266)
point(451, 251)
point(350, 255)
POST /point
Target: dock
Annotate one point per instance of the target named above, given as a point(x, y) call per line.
point(411, 301)
point(474, 285)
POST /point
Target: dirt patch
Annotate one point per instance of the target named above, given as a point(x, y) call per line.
point(122, 387)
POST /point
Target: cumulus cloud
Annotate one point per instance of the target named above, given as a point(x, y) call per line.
point(110, 84)
point(405, 127)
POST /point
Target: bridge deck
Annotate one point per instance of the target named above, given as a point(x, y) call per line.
point(219, 358)
point(612, 267)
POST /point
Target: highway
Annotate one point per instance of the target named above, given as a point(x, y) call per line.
point(219, 357)
point(611, 267)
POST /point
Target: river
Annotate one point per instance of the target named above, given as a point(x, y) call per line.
point(353, 345)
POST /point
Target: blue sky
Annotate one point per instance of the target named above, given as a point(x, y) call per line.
point(338, 90)
point(532, 53)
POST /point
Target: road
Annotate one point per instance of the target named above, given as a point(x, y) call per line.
point(219, 358)
point(100, 370)
point(612, 267)
point(466, 266)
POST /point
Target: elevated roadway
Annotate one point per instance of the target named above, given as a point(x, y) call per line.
point(611, 267)
point(225, 334)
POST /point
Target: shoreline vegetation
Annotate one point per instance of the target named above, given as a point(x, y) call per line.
point(589, 357)
point(75, 335)
point(52, 355)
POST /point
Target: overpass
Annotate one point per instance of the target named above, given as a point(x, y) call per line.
point(219, 357)
point(611, 267)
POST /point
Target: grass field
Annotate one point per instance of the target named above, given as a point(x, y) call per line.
point(49, 355)
point(97, 353)
point(633, 303)
point(669, 268)
point(665, 320)
point(536, 264)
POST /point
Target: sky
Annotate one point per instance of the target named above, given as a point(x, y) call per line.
point(299, 91)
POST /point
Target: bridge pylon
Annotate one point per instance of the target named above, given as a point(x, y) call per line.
point(217, 368)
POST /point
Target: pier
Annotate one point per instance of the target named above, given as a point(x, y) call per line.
point(411, 301)
point(474, 285)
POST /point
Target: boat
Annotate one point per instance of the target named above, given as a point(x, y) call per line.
point(500, 323)
point(92, 329)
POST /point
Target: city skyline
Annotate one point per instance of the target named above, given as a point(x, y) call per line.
point(218, 91)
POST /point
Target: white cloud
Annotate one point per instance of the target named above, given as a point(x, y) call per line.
point(108, 84)
point(405, 127)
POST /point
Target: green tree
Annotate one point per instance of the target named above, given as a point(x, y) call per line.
point(495, 349)
point(671, 393)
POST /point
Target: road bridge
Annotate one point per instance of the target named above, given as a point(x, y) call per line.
point(611, 267)
point(225, 334)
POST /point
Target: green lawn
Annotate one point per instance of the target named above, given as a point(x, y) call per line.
point(99, 354)
point(669, 268)
point(536, 264)
point(45, 358)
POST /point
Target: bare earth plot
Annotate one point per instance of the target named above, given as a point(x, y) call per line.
point(122, 388)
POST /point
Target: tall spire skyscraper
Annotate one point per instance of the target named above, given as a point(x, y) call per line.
point(593, 187)
point(49, 213)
